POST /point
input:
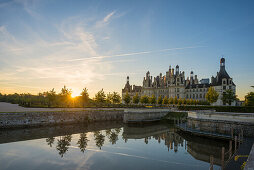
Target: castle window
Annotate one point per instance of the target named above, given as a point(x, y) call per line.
point(193, 96)
point(224, 82)
point(230, 82)
point(230, 87)
point(200, 89)
point(224, 87)
point(200, 96)
point(187, 96)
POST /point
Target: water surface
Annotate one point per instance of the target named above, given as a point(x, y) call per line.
point(107, 145)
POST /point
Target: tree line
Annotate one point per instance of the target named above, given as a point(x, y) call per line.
point(62, 99)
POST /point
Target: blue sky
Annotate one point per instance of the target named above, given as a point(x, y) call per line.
point(96, 44)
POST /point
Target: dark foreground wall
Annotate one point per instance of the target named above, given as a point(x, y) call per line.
point(31, 119)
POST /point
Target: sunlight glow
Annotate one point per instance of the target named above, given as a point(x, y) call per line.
point(75, 94)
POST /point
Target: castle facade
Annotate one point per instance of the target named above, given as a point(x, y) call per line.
point(174, 84)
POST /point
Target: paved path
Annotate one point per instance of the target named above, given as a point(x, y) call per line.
point(250, 162)
point(8, 107)
point(244, 149)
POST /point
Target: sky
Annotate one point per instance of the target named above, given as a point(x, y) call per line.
point(47, 44)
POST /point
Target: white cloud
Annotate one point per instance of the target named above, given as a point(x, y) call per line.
point(106, 19)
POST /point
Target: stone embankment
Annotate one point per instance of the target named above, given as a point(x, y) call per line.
point(43, 118)
point(30, 119)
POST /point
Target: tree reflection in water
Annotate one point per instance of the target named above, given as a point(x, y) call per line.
point(50, 141)
point(99, 139)
point(63, 144)
point(82, 142)
point(171, 139)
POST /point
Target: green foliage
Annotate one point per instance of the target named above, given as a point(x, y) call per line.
point(65, 96)
point(159, 101)
point(180, 101)
point(228, 97)
point(171, 100)
point(165, 100)
point(51, 97)
point(144, 99)
point(127, 98)
point(249, 99)
point(84, 97)
point(184, 101)
point(100, 96)
point(175, 101)
point(211, 95)
point(188, 102)
point(152, 100)
point(135, 99)
point(116, 98)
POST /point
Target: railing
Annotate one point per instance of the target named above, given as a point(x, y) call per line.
point(230, 153)
point(238, 139)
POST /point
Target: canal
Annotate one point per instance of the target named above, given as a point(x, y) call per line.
point(107, 145)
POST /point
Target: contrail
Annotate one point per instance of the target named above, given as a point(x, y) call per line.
point(136, 156)
point(134, 53)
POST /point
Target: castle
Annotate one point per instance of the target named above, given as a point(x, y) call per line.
point(174, 84)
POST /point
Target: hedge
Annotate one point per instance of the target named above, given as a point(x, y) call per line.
point(239, 109)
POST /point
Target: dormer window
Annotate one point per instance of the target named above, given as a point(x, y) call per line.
point(224, 81)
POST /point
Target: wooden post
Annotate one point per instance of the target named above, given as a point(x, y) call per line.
point(211, 162)
point(230, 148)
point(235, 142)
point(185, 144)
point(239, 139)
point(232, 133)
point(222, 157)
point(242, 133)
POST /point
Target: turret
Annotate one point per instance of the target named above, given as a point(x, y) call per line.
point(191, 77)
point(177, 70)
point(222, 63)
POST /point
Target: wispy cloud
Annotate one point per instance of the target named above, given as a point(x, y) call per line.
point(137, 53)
point(106, 19)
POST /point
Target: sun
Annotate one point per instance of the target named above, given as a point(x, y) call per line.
point(75, 94)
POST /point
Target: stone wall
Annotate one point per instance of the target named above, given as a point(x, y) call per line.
point(138, 115)
point(30, 119)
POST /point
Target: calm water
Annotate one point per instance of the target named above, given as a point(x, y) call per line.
point(105, 146)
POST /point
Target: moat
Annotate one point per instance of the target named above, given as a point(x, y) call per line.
point(106, 145)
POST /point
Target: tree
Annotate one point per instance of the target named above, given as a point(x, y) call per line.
point(116, 98)
point(211, 96)
point(127, 98)
point(159, 101)
point(171, 100)
point(228, 97)
point(249, 99)
point(65, 95)
point(135, 99)
point(144, 99)
point(84, 96)
point(51, 97)
point(188, 102)
point(100, 96)
point(165, 100)
point(175, 100)
point(152, 100)
point(184, 101)
point(180, 102)
point(109, 98)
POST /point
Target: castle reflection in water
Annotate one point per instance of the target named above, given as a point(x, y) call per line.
point(95, 136)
